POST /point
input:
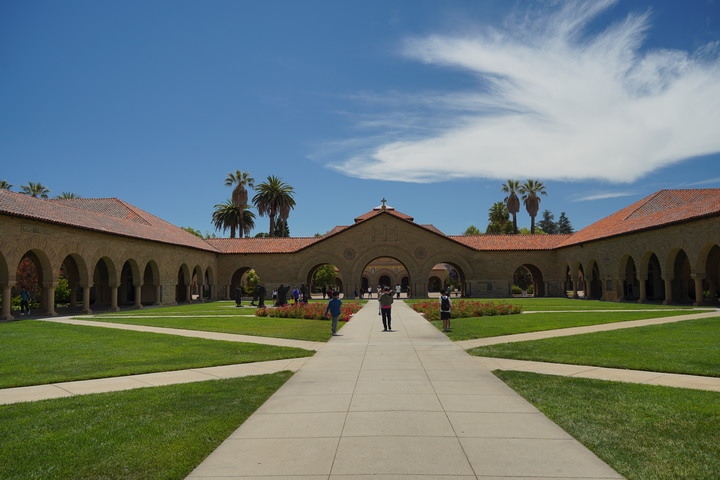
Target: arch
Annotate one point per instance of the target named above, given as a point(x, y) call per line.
point(129, 279)
point(629, 275)
point(33, 272)
point(434, 284)
point(182, 287)
point(594, 284)
point(683, 286)
point(382, 272)
point(654, 285)
point(712, 275)
point(150, 283)
point(322, 285)
point(209, 284)
point(196, 284)
point(74, 270)
point(536, 279)
point(103, 281)
point(238, 281)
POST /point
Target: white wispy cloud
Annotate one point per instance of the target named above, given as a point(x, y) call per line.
point(552, 102)
point(603, 196)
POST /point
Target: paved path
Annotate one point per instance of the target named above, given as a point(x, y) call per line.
point(565, 332)
point(230, 337)
point(397, 405)
point(129, 382)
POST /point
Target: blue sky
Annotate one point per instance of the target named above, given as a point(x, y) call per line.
point(429, 104)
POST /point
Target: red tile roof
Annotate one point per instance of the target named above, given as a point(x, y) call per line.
point(262, 245)
point(106, 215)
point(660, 209)
point(378, 211)
point(510, 242)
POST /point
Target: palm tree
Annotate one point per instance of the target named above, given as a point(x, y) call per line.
point(239, 197)
point(498, 217)
point(4, 185)
point(274, 199)
point(35, 190)
point(512, 201)
point(67, 196)
point(530, 191)
point(228, 216)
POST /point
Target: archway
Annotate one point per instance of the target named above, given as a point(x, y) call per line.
point(29, 274)
point(126, 292)
point(69, 291)
point(712, 275)
point(323, 277)
point(595, 290)
point(384, 272)
point(240, 282)
point(151, 281)
point(528, 278)
point(182, 293)
point(631, 284)
point(450, 278)
point(683, 286)
point(654, 286)
point(101, 291)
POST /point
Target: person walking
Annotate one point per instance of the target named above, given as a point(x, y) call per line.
point(333, 308)
point(386, 300)
point(24, 302)
point(445, 308)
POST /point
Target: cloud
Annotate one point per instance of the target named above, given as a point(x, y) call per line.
point(603, 196)
point(552, 102)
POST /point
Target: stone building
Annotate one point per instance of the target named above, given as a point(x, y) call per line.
point(663, 248)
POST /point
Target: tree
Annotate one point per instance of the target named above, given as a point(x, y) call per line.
point(512, 187)
point(324, 276)
point(564, 226)
point(547, 224)
point(35, 190)
point(197, 233)
point(241, 180)
point(281, 228)
point(472, 230)
point(499, 220)
point(530, 191)
point(274, 198)
point(229, 216)
point(67, 196)
point(4, 185)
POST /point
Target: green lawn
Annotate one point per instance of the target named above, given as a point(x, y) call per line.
point(493, 326)
point(293, 328)
point(35, 352)
point(690, 347)
point(144, 434)
point(644, 432)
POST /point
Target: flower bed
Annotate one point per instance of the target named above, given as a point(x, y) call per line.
point(311, 311)
point(466, 308)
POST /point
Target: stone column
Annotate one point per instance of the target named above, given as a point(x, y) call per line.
point(698, 278)
point(158, 295)
point(668, 289)
point(643, 291)
point(188, 293)
point(138, 296)
point(575, 288)
point(73, 296)
point(49, 298)
point(201, 292)
point(114, 299)
point(7, 302)
point(86, 300)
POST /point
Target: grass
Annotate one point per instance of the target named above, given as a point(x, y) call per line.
point(553, 304)
point(158, 433)
point(644, 432)
point(483, 327)
point(241, 321)
point(689, 347)
point(35, 352)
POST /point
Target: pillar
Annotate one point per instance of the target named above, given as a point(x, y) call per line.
point(73, 296)
point(698, 279)
point(86, 300)
point(49, 291)
point(643, 290)
point(114, 299)
point(667, 279)
point(158, 294)
point(7, 302)
point(575, 288)
point(138, 296)
point(188, 293)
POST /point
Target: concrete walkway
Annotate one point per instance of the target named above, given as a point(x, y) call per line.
point(566, 332)
point(398, 405)
point(229, 337)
